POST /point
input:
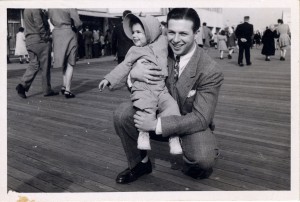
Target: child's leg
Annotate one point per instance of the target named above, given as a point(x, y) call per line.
point(167, 106)
point(143, 98)
point(221, 54)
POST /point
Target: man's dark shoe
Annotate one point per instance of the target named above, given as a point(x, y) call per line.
point(139, 170)
point(241, 64)
point(198, 173)
point(52, 93)
point(21, 91)
point(248, 64)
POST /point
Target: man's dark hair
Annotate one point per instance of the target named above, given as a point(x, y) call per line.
point(21, 29)
point(126, 12)
point(204, 24)
point(280, 21)
point(186, 14)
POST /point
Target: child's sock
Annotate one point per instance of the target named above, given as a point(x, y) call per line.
point(175, 147)
point(143, 142)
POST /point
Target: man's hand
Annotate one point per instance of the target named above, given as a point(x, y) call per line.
point(146, 72)
point(145, 121)
point(243, 40)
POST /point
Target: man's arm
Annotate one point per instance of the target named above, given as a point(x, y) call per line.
point(198, 119)
point(74, 15)
point(39, 24)
point(203, 110)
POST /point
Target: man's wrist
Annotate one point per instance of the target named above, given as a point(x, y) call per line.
point(158, 129)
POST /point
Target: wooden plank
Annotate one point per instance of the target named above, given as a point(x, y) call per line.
point(19, 185)
point(32, 181)
point(65, 174)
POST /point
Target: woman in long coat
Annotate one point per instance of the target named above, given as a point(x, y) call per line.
point(268, 42)
point(65, 22)
point(21, 50)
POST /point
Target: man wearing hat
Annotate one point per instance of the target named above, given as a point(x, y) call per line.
point(244, 34)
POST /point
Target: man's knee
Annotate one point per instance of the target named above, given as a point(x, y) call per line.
point(201, 149)
point(203, 160)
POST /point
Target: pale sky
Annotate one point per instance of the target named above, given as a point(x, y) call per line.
point(259, 17)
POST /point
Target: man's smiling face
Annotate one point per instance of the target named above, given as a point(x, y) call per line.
point(181, 36)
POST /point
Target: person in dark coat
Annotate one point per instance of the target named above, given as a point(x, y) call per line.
point(268, 42)
point(120, 42)
point(80, 40)
point(257, 39)
point(244, 34)
point(88, 42)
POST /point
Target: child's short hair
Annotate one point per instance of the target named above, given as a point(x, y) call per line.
point(222, 32)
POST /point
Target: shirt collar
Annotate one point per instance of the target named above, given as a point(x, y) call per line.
point(185, 59)
point(187, 56)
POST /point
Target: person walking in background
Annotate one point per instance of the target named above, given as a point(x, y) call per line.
point(231, 41)
point(96, 44)
point(284, 38)
point(257, 39)
point(222, 38)
point(102, 44)
point(244, 33)
point(268, 41)
point(80, 40)
point(199, 38)
point(107, 40)
point(215, 39)
point(88, 42)
point(120, 42)
point(37, 33)
point(206, 35)
point(21, 50)
point(65, 44)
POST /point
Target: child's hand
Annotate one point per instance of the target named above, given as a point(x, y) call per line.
point(103, 84)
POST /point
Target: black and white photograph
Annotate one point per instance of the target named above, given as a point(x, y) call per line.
point(218, 118)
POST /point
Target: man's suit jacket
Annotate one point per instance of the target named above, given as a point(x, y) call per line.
point(120, 42)
point(88, 37)
point(37, 29)
point(244, 30)
point(203, 76)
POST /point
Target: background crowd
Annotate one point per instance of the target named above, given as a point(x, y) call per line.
point(274, 37)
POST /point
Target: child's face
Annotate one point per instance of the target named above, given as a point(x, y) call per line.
point(138, 35)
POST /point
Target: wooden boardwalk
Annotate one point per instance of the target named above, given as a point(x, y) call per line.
point(60, 145)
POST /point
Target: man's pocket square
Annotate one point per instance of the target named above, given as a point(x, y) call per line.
point(191, 93)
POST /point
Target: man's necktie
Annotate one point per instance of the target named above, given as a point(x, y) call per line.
point(176, 68)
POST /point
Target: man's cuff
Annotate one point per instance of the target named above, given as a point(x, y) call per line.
point(129, 83)
point(158, 129)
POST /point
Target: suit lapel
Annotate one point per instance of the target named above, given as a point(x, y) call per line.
point(188, 77)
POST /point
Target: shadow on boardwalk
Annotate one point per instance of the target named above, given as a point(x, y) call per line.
point(60, 145)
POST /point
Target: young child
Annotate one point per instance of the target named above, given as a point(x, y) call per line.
point(151, 45)
point(231, 39)
point(222, 43)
